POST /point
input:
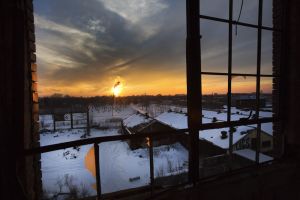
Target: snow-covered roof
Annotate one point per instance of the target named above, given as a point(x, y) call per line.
point(265, 114)
point(245, 113)
point(135, 120)
point(267, 128)
point(179, 120)
point(214, 136)
point(250, 154)
point(173, 119)
point(45, 118)
point(222, 116)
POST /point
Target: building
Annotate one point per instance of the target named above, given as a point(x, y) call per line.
point(248, 102)
point(142, 123)
point(216, 141)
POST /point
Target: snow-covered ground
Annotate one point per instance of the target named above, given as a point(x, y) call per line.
point(117, 162)
point(57, 164)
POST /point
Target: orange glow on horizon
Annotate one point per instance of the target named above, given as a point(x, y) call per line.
point(164, 85)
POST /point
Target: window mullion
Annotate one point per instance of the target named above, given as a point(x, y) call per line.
point(259, 31)
point(194, 94)
point(229, 72)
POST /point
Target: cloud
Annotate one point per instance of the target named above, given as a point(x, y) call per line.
point(89, 44)
point(96, 25)
point(135, 10)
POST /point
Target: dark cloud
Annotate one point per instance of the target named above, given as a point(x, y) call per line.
point(85, 41)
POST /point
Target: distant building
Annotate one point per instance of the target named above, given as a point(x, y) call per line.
point(142, 123)
point(249, 102)
point(216, 141)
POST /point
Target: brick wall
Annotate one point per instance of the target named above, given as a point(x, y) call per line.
point(33, 98)
point(278, 53)
point(18, 110)
point(291, 76)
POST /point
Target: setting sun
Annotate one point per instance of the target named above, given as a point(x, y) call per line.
point(117, 89)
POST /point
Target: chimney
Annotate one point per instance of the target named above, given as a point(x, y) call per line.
point(223, 135)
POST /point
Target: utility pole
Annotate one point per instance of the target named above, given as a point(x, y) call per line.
point(113, 105)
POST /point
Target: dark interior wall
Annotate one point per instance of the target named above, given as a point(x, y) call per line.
point(271, 183)
point(292, 65)
point(18, 175)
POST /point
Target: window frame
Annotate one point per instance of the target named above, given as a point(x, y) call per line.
point(192, 21)
point(194, 94)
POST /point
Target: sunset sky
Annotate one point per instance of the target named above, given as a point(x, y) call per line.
point(84, 46)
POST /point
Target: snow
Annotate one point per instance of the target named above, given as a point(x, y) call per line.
point(79, 116)
point(136, 119)
point(55, 165)
point(137, 109)
point(46, 122)
point(267, 128)
point(222, 116)
point(173, 119)
point(265, 114)
point(120, 163)
point(250, 154)
point(214, 136)
point(99, 115)
point(46, 118)
point(245, 113)
point(179, 121)
point(117, 162)
point(240, 111)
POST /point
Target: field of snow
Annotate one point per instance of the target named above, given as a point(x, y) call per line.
point(118, 164)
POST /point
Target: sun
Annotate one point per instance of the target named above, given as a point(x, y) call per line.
point(117, 89)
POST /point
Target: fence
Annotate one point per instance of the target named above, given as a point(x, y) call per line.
point(98, 140)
